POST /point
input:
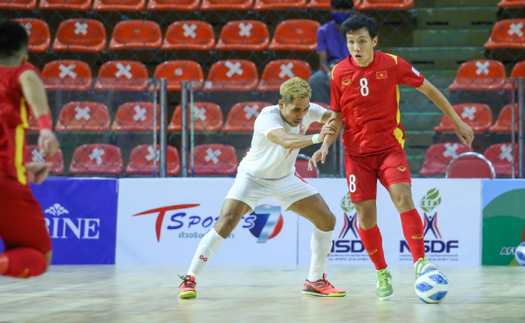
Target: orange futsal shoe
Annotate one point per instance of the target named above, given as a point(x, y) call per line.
point(322, 287)
point(187, 287)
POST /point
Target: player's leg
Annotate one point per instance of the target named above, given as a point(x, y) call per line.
point(295, 194)
point(362, 184)
point(241, 199)
point(23, 231)
point(394, 174)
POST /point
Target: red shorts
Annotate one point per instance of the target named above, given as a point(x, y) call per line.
point(22, 223)
point(362, 173)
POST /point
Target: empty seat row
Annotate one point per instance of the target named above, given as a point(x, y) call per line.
point(485, 75)
point(439, 156)
point(479, 118)
point(228, 75)
point(106, 159)
point(89, 35)
point(190, 5)
point(86, 116)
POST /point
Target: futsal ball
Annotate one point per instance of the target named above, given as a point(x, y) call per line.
point(520, 254)
point(431, 286)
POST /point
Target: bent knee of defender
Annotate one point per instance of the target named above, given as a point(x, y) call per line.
point(326, 223)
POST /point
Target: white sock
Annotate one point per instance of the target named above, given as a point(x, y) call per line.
point(321, 244)
point(206, 250)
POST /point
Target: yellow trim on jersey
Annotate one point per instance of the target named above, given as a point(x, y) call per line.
point(393, 56)
point(398, 132)
point(332, 72)
point(19, 143)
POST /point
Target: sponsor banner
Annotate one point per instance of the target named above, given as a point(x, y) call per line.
point(503, 220)
point(450, 210)
point(162, 221)
point(81, 216)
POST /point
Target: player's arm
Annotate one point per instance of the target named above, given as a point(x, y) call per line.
point(463, 130)
point(291, 141)
point(35, 94)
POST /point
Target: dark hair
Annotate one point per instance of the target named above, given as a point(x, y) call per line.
point(13, 38)
point(356, 22)
point(342, 4)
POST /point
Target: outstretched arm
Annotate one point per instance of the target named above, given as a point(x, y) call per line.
point(463, 130)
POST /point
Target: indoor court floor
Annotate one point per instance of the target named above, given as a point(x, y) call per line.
point(130, 293)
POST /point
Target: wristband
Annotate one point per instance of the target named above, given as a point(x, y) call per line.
point(315, 139)
point(44, 122)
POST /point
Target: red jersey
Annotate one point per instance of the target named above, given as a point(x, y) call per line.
point(368, 98)
point(14, 113)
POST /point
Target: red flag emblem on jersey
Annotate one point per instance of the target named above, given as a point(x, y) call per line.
point(381, 75)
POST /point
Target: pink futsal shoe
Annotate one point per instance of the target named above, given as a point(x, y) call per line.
point(322, 287)
point(187, 287)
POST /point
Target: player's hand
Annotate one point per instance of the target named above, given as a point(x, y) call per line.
point(465, 133)
point(47, 142)
point(327, 129)
point(319, 155)
point(37, 172)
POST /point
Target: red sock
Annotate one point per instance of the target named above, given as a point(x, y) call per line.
point(23, 262)
point(413, 231)
point(373, 243)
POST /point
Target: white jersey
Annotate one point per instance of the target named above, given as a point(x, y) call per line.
point(267, 159)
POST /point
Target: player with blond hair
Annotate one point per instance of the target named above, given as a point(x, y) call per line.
point(268, 171)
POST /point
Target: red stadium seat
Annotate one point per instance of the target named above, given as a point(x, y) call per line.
point(119, 5)
point(518, 70)
point(476, 115)
point(80, 35)
point(504, 121)
point(232, 75)
point(173, 5)
point(301, 168)
point(122, 76)
point(470, 165)
point(99, 159)
point(39, 36)
point(141, 161)
point(135, 116)
point(265, 5)
point(67, 75)
point(215, 159)
point(320, 4)
point(315, 127)
point(177, 71)
point(242, 116)
point(385, 4)
point(18, 4)
point(136, 34)
point(295, 35)
point(222, 5)
point(74, 5)
point(207, 117)
point(249, 35)
point(500, 155)
point(32, 122)
point(83, 116)
point(279, 71)
point(189, 35)
point(480, 75)
point(511, 4)
point(508, 33)
point(438, 157)
point(57, 161)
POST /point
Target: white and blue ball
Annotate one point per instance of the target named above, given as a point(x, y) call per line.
point(520, 254)
point(431, 286)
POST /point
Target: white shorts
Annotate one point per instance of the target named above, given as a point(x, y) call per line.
point(286, 191)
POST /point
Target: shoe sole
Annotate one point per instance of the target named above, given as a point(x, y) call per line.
point(325, 295)
point(188, 294)
point(386, 297)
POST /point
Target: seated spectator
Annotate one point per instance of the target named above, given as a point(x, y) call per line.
point(331, 47)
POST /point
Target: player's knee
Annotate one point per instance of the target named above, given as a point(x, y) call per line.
point(327, 223)
point(403, 200)
point(225, 225)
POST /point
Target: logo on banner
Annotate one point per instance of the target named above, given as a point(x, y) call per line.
point(62, 227)
point(434, 242)
point(268, 222)
point(346, 248)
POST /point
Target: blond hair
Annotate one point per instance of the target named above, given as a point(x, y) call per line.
point(295, 88)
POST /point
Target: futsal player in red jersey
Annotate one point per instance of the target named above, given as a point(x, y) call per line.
point(22, 224)
point(365, 99)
